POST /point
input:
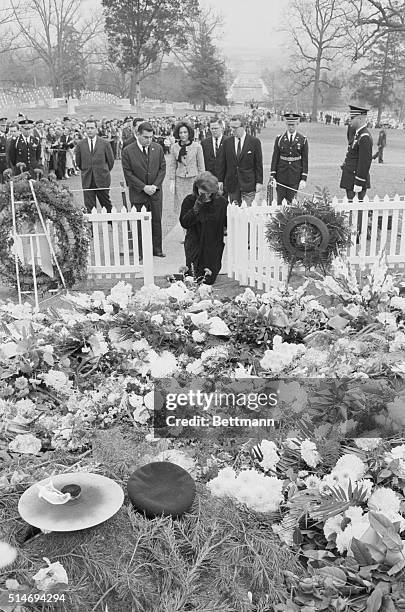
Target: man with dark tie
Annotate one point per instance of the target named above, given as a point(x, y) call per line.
point(144, 166)
point(240, 164)
point(289, 164)
point(95, 159)
point(212, 145)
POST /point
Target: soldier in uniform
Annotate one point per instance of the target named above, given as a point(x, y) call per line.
point(25, 149)
point(355, 169)
point(3, 148)
point(289, 164)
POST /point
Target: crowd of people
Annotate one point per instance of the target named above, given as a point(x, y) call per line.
point(209, 161)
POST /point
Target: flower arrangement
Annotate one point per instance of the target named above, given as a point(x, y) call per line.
point(70, 237)
point(310, 231)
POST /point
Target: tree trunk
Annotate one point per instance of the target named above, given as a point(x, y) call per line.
point(383, 81)
point(315, 94)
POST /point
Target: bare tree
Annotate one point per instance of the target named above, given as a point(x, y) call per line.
point(319, 35)
point(50, 27)
point(7, 36)
point(371, 20)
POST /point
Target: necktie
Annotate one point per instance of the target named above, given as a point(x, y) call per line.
point(216, 147)
point(239, 149)
point(91, 146)
point(145, 152)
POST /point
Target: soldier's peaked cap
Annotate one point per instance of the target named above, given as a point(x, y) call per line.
point(291, 116)
point(3, 119)
point(355, 111)
point(25, 122)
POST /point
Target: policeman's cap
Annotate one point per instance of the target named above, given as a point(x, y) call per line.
point(355, 111)
point(25, 122)
point(291, 116)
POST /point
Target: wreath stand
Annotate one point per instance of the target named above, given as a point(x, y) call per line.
point(33, 237)
point(299, 251)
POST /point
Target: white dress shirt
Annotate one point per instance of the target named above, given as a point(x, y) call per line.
point(242, 142)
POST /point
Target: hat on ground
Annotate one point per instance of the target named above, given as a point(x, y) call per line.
point(161, 488)
point(355, 111)
point(93, 499)
point(291, 116)
point(25, 122)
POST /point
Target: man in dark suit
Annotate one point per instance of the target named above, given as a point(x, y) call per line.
point(240, 164)
point(289, 163)
point(130, 138)
point(95, 159)
point(25, 149)
point(212, 146)
point(144, 166)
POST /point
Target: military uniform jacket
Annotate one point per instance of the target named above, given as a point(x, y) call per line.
point(27, 152)
point(289, 164)
point(3, 153)
point(355, 169)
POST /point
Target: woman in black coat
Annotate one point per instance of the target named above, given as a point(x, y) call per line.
point(203, 215)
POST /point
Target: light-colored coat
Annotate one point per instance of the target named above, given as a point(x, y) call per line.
point(191, 165)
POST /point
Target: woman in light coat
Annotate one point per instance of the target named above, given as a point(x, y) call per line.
point(186, 163)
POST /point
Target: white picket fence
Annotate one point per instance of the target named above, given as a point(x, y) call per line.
point(251, 261)
point(113, 251)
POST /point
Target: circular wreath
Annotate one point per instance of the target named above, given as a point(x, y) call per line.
point(70, 238)
point(311, 231)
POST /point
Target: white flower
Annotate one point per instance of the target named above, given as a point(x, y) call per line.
point(248, 297)
point(136, 401)
point(309, 453)
point(259, 492)
point(367, 444)
point(312, 482)
point(356, 529)
point(199, 319)
point(333, 525)
point(270, 455)
point(164, 365)
point(282, 355)
point(179, 458)
point(141, 415)
point(8, 554)
point(50, 576)
point(398, 344)
point(120, 294)
point(217, 327)
point(293, 394)
point(157, 319)
point(179, 292)
point(141, 345)
point(98, 344)
point(396, 410)
point(241, 372)
point(195, 367)
point(57, 380)
point(349, 468)
point(384, 500)
point(198, 336)
point(388, 319)
point(25, 444)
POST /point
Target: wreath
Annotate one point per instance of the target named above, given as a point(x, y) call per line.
point(310, 231)
point(69, 235)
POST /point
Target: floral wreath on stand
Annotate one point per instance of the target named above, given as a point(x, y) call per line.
point(310, 231)
point(69, 235)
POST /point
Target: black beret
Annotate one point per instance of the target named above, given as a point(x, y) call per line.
point(161, 488)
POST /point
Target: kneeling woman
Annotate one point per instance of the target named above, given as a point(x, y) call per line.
point(203, 215)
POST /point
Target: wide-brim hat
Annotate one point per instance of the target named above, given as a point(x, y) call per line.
point(291, 116)
point(355, 111)
point(161, 488)
point(100, 498)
